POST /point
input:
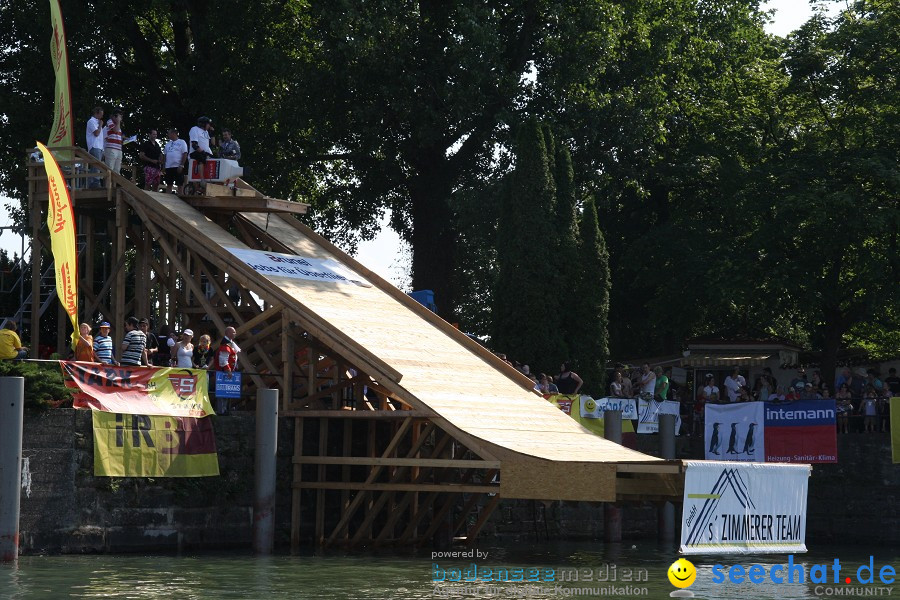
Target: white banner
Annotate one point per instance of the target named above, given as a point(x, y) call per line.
point(744, 508)
point(595, 408)
point(735, 432)
point(649, 411)
point(275, 264)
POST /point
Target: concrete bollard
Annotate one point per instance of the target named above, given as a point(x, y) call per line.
point(667, 451)
point(12, 409)
point(612, 514)
point(264, 489)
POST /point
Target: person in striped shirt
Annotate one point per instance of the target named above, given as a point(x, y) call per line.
point(112, 148)
point(103, 345)
point(134, 346)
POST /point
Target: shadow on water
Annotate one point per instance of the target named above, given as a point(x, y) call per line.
point(602, 571)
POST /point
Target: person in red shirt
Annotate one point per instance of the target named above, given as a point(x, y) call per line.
point(226, 360)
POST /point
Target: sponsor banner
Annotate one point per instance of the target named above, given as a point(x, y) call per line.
point(803, 431)
point(62, 133)
point(649, 411)
point(735, 432)
point(153, 446)
point(228, 385)
point(139, 390)
point(275, 264)
point(575, 405)
point(744, 508)
point(628, 406)
point(895, 429)
point(61, 225)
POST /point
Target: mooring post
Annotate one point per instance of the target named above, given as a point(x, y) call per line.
point(264, 490)
point(667, 451)
point(612, 514)
point(12, 410)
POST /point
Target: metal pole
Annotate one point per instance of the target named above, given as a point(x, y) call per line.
point(667, 451)
point(612, 514)
point(12, 408)
point(264, 490)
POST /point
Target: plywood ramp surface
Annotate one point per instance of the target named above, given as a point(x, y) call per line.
point(471, 392)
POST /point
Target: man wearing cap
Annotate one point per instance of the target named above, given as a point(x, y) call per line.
point(134, 346)
point(152, 341)
point(103, 345)
point(183, 351)
point(200, 140)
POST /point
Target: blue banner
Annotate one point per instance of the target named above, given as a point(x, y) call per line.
point(228, 385)
point(800, 413)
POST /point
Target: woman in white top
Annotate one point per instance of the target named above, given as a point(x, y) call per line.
point(183, 351)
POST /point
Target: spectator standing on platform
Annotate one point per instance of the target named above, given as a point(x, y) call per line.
point(152, 341)
point(662, 384)
point(734, 383)
point(777, 395)
point(103, 345)
point(893, 382)
point(200, 139)
point(229, 148)
point(857, 383)
point(226, 360)
point(203, 352)
point(872, 379)
point(711, 390)
point(94, 139)
point(176, 152)
point(762, 388)
point(151, 157)
point(568, 381)
point(844, 407)
point(183, 353)
point(617, 388)
point(11, 347)
point(112, 146)
point(84, 348)
point(843, 378)
point(648, 380)
point(869, 409)
point(134, 346)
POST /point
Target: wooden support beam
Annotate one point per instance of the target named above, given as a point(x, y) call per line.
point(373, 475)
point(97, 301)
point(472, 535)
point(320, 495)
point(260, 318)
point(287, 363)
point(345, 470)
point(439, 463)
point(456, 488)
point(119, 291)
point(295, 491)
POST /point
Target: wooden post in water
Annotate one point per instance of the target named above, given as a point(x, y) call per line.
point(612, 514)
point(266, 455)
point(667, 451)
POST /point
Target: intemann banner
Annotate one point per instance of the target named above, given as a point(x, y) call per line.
point(139, 390)
point(803, 431)
point(153, 446)
point(744, 508)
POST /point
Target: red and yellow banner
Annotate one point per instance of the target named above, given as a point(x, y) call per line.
point(63, 133)
point(139, 390)
point(153, 446)
point(61, 223)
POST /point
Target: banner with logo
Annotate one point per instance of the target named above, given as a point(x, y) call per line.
point(61, 224)
point(139, 390)
point(575, 406)
point(62, 133)
point(228, 385)
point(803, 431)
point(735, 432)
point(649, 411)
point(895, 429)
point(153, 446)
point(744, 508)
point(276, 264)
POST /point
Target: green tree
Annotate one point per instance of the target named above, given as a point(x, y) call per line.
point(526, 316)
point(590, 295)
point(565, 268)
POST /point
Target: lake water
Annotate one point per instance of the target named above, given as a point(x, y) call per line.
point(411, 575)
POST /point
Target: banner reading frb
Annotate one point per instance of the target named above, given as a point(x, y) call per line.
point(153, 446)
point(139, 390)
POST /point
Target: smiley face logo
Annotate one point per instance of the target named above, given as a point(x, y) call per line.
point(590, 405)
point(682, 573)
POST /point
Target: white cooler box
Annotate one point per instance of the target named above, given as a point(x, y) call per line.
point(215, 170)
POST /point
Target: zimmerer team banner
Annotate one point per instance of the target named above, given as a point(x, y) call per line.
point(153, 446)
point(802, 431)
point(744, 508)
point(139, 390)
point(61, 224)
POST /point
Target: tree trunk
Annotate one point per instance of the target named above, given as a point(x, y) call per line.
point(433, 238)
point(833, 331)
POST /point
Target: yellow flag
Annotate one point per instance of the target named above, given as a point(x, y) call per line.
point(61, 223)
point(62, 133)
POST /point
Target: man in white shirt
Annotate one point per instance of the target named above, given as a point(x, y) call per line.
point(648, 380)
point(734, 383)
point(199, 136)
point(711, 390)
point(175, 156)
point(94, 140)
